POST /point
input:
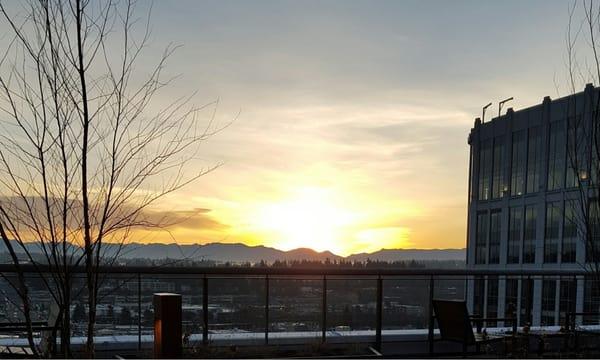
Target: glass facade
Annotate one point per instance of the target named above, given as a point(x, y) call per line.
point(539, 158)
point(548, 302)
point(591, 301)
point(511, 297)
point(485, 169)
point(515, 223)
point(530, 234)
point(495, 233)
point(479, 295)
point(556, 155)
point(534, 159)
point(569, 245)
point(567, 299)
point(498, 171)
point(481, 238)
point(593, 245)
point(492, 300)
point(577, 152)
point(551, 234)
point(526, 302)
point(519, 159)
point(595, 150)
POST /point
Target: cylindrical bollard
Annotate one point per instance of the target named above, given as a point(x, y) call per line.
point(167, 325)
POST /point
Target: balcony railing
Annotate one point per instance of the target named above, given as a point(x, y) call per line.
point(316, 302)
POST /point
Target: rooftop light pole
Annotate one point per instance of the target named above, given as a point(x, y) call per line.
point(501, 103)
point(483, 112)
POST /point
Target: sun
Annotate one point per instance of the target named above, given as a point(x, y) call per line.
point(310, 218)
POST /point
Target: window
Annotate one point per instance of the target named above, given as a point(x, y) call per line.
point(515, 223)
point(595, 149)
point(591, 301)
point(478, 295)
point(481, 238)
point(498, 172)
point(519, 151)
point(569, 233)
point(526, 301)
point(552, 232)
point(511, 298)
point(548, 302)
point(495, 231)
point(593, 249)
point(529, 235)
point(576, 152)
point(492, 300)
point(556, 155)
point(567, 302)
point(534, 159)
point(485, 169)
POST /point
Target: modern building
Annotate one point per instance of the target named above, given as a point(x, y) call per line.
point(523, 194)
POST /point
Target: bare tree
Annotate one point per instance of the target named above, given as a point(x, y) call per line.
point(582, 210)
point(82, 155)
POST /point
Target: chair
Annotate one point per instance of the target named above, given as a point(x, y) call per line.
point(455, 324)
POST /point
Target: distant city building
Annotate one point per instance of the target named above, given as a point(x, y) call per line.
point(522, 194)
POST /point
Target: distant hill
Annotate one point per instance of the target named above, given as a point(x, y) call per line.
point(221, 252)
point(238, 253)
point(412, 254)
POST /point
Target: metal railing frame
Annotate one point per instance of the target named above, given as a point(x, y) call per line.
point(268, 273)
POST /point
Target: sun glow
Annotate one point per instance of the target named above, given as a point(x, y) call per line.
point(311, 218)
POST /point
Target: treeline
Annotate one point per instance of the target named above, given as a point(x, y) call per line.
point(304, 264)
point(299, 264)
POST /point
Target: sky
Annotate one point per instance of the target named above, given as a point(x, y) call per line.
point(348, 119)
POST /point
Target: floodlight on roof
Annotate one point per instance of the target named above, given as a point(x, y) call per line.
point(483, 112)
point(501, 103)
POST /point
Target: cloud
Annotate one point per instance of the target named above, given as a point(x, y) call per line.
point(26, 216)
point(192, 219)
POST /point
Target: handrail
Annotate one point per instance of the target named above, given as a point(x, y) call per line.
point(324, 273)
point(262, 271)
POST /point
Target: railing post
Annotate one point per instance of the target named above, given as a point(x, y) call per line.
point(139, 301)
point(324, 311)
point(379, 311)
point(430, 313)
point(167, 325)
point(205, 310)
point(266, 309)
point(573, 301)
point(529, 303)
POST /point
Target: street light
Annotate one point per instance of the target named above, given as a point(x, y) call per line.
point(483, 114)
point(501, 103)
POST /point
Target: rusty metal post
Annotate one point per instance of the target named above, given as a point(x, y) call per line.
point(167, 325)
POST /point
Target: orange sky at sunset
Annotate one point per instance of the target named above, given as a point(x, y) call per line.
point(339, 145)
point(349, 120)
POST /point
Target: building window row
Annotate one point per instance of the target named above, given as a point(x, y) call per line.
point(558, 298)
point(567, 160)
point(561, 233)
